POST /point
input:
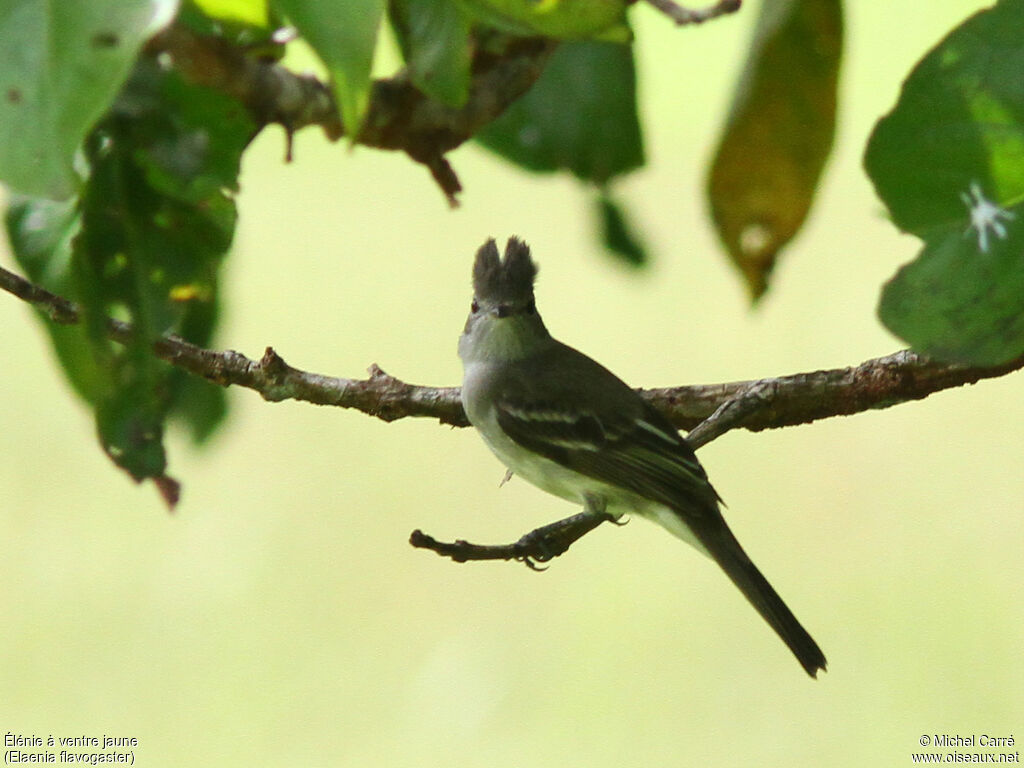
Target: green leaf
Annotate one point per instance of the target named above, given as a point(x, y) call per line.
point(561, 19)
point(946, 161)
point(579, 116)
point(434, 38)
point(959, 121)
point(61, 64)
point(144, 243)
point(344, 35)
point(619, 237)
point(958, 302)
point(40, 232)
point(778, 135)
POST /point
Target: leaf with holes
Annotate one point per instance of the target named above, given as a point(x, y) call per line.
point(144, 243)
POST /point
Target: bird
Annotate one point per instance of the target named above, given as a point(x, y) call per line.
point(562, 421)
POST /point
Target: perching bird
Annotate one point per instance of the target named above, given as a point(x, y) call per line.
point(560, 420)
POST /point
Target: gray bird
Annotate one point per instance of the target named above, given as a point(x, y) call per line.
point(562, 421)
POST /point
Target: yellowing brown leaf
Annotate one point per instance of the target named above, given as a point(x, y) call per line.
point(778, 135)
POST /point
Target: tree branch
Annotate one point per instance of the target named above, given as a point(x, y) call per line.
point(802, 398)
point(755, 405)
point(400, 117)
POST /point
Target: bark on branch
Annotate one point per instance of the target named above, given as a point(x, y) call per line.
point(755, 405)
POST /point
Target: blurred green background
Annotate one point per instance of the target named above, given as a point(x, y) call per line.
point(279, 617)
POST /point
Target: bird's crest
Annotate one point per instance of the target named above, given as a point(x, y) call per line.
point(504, 281)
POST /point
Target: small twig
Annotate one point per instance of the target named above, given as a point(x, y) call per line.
point(731, 414)
point(538, 546)
point(755, 405)
point(681, 15)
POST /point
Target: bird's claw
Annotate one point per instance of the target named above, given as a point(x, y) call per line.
point(531, 563)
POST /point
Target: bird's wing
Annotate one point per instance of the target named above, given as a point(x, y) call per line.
point(615, 437)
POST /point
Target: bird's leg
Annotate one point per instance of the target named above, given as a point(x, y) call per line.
point(549, 541)
point(538, 546)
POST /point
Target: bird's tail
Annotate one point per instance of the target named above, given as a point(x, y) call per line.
point(714, 539)
point(727, 552)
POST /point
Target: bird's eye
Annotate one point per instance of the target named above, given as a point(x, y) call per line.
point(531, 308)
point(474, 307)
point(503, 310)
